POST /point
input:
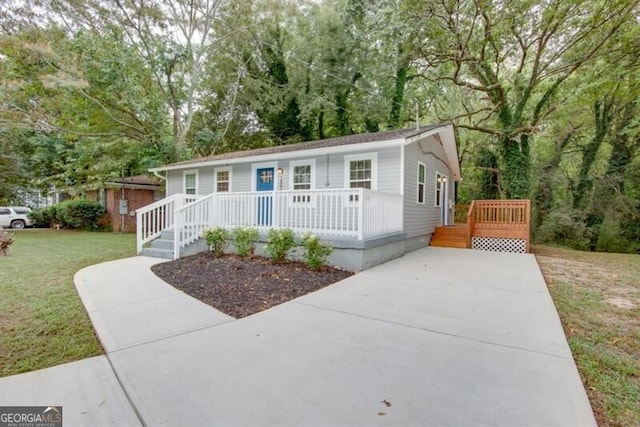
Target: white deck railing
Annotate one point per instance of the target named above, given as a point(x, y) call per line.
point(152, 219)
point(342, 213)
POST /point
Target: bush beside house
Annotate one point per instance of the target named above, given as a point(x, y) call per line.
point(78, 214)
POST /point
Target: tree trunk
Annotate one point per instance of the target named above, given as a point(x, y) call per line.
point(342, 117)
point(516, 167)
point(611, 186)
point(321, 124)
point(543, 196)
point(398, 94)
point(623, 148)
point(489, 180)
point(584, 185)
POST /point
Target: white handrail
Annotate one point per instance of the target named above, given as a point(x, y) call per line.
point(153, 219)
point(334, 213)
point(191, 220)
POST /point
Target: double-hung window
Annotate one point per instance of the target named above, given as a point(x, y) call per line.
point(302, 179)
point(190, 182)
point(223, 180)
point(360, 172)
point(439, 184)
point(422, 178)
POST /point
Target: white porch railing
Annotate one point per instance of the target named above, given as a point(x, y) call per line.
point(152, 219)
point(342, 213)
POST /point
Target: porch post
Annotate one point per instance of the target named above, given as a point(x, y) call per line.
point(139, 225)
point(275, 213)
point(177, 226)
point(360, 214)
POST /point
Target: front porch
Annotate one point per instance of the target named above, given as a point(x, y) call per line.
point(356, 215)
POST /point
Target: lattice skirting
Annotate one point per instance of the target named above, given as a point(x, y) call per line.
point(499, 244)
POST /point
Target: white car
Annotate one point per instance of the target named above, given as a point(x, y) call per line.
point(14, 217)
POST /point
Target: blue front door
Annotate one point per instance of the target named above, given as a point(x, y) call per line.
point(264, 182)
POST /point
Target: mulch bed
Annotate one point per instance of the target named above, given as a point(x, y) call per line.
point(241, 287)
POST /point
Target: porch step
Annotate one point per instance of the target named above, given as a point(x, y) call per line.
point(158, 253)
point(162, 243)
point(167, 235)
point(451, 236)
point(162, 247)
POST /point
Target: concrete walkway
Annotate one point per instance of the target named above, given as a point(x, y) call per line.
point(438, 337)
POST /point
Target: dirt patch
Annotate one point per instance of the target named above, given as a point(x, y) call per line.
point(621, 303)
point(241, 287)
point(577, 272)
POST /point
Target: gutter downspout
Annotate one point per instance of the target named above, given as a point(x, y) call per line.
point(164, 178)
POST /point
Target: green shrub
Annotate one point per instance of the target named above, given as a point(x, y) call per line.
point(611, 238)
point(217, 239)
point(43, 217)
point(279, 242)
point(81, 214)
point(316, 251)
point(565, 227)
point(244, 240)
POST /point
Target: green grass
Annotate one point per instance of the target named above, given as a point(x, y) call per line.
point(42, 321)
point(598, 298)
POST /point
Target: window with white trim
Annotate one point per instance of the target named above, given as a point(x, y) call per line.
point(223, 180)
point(190, 182)
point(360, 172)
point(422, 179)
point(439, 184)
point(302, 178)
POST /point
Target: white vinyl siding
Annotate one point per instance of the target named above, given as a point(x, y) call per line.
point(327, 171)
point(174, 182)
point(387, 171)
point(242, 177)
point(422, 219)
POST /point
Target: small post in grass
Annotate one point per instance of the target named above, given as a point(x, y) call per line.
point(5, 241)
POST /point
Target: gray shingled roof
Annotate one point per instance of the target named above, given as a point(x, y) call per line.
point(308, 145)
point(138, 180)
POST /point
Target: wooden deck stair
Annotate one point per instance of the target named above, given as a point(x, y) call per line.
point(450, 236)
point(494, 225)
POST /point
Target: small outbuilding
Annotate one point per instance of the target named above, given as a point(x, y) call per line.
point(122, 197)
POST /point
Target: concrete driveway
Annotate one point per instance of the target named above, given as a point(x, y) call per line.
point(437, 337)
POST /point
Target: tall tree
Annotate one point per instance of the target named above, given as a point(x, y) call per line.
point(173, 37)
point(516, 54)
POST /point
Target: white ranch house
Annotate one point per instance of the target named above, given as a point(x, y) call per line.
point(372, 196)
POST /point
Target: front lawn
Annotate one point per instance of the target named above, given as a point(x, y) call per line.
point(42, 321)
point(598, 298)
